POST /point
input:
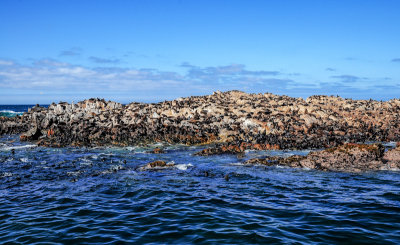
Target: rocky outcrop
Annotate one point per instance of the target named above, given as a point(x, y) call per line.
point(292, 161)
point(347, 157)
point(232, 118)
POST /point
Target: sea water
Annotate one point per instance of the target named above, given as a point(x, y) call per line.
point(99, 196)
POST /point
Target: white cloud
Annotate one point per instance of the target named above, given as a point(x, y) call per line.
point(6, 63)
point(57, 79)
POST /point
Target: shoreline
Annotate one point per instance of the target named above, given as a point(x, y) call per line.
point(232, 121)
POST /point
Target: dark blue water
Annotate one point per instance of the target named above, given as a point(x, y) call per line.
point(91, 196)
point(13, 110)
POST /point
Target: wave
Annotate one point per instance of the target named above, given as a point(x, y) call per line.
point(183, 166)
point(10, 113)
point(9, 148)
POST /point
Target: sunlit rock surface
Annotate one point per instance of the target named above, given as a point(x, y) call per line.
point(234, 118)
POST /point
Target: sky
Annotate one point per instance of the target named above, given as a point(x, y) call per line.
point(151, 51)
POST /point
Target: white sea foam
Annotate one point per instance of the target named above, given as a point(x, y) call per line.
point(24, 159)
point(237, 164)
point(183, 166)
point(6, 174)
point(136, 150)
point(9, 148)
point(10, 111)
point(94, 157)
point(86, 162)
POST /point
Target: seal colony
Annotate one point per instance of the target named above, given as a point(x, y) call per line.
point(231, 122)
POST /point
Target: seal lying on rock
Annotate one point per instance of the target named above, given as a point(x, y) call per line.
point(348, 157)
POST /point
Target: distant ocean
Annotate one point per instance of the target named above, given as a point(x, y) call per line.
point(14, 110)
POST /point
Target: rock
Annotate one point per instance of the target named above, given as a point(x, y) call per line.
point(232, 120)
point(226, 177)
point(392, 159)
point(235, 149)
point(157, 151)
point(157, 165)
point(221, 149)
point(32, 134)
point(347, 157)
point(292, 161)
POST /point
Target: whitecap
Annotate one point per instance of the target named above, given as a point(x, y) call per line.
point(86, 162)
point(9, 148)
point(12, 112)
point(24, 159)
point(6, 174)
point(183, 166)
point(94, 157)
point(237, 164)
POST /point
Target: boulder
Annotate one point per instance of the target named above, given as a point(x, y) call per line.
point(157, 165)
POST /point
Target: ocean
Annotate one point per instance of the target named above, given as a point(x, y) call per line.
point(100, 196)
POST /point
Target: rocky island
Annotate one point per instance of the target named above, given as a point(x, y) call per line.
point(231, 122)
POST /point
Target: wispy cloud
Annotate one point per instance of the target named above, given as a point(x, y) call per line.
point(99, 60)
point(330, 69)
point(50, 74)
point(75, 51)
point(229, 71)
point(56, 78)
point(347, 78)
point(6, 63)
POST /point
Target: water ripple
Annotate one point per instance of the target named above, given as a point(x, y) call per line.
point(91, 196)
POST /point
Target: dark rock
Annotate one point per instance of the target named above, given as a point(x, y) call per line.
point(226, 177)
point(33, 134)
point(157, 165)
point(157, 151)
point(233, 120)
point(221, 149)
point(348, 157)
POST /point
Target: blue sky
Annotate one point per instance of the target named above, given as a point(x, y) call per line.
point(156, 50)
